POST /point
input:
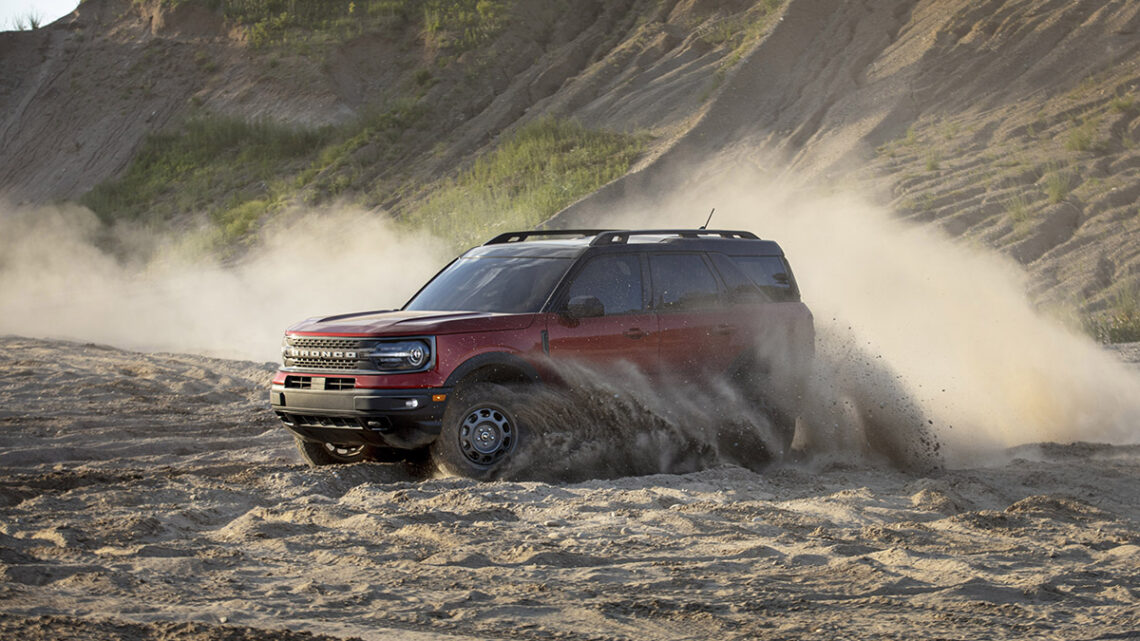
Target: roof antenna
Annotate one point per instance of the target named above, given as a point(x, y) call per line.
point(705, 226)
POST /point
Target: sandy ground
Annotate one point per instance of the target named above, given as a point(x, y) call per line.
point(152, 496)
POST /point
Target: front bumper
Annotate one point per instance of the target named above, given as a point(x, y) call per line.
point(399, 418)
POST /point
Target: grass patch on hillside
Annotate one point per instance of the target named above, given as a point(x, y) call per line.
point(933, 161)
point(1123, 104)
point(210, 160)
point(238, 173)
point(1121, 323)
point(462, 25)
point(538, 171)
point(743, 28)
point(1082, 137)
point(352, 159)
point(739, 32)
point(458, 25)
point(1059, 181)
point(1018, 207)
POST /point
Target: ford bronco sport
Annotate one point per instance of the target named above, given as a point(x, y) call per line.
point(688, 304)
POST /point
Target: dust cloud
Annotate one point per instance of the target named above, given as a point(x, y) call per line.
point(617, 421)
point(57, 281)
point(926, 348)
point(916, 331)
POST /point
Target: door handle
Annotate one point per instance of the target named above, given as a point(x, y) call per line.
point(724, 329)
point(635, 333)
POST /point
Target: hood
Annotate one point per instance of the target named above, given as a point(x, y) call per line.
point(407, 323)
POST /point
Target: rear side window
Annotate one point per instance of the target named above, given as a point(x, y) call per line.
point(614, 280)
point(772, 275)
point(741, 289)
point(682, 282)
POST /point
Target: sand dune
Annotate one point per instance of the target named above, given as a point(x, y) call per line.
point(152, 496)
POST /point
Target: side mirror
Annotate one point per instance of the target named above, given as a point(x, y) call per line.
point(585, 307)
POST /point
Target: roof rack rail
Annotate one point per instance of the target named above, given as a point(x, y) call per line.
point(519, 236)
point(623, 236)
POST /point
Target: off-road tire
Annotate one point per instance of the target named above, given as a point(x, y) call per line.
point(480, 433)
point(754, 388)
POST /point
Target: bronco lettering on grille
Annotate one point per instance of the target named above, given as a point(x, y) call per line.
point(316, 353)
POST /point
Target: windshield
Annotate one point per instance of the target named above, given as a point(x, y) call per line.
point(491, 284)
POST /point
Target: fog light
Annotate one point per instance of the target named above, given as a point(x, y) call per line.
point(411, 404)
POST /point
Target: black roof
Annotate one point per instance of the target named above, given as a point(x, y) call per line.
point(616, 236)
point(568, 243)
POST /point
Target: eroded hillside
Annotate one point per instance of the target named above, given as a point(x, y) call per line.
point(1008, 123)
point(393, 96)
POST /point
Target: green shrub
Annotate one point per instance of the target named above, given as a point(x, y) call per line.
point(237, 221)
point(1123, 104)
point(1058, 183)
point(1121, 323)
point(933, 161)
point(1115, 327)
point(1082, 137)
point(911, 138)
point(1018, 207)
point(27, 22)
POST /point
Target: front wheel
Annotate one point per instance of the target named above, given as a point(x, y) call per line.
point(317, 453)
point(480, 433)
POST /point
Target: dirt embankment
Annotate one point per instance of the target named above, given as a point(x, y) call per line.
point(152, 496)
point(1012, 124)
point(80, 95)
point(1009, 124)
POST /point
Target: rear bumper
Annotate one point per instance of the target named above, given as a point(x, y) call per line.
point(400, 418)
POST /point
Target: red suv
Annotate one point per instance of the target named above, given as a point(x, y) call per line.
point(687, 305)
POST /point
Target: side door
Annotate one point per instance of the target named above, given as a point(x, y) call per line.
point(697, 327)
point(622, 329)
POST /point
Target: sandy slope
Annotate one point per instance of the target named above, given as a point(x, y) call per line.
point(1010, 124)
point(161, 502)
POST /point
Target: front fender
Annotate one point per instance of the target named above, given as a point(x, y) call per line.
point(494, 367)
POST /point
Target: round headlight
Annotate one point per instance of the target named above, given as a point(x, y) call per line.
point(402, 355)
point(417, 356)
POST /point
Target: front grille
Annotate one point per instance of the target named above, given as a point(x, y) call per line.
point(318, 383)
point(327, 343)
point(299, 382)
point(336, 354)
point(342, 364)
point(340, 383)
point(302, 420)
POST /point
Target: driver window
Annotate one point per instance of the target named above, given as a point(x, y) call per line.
point(614, 280)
